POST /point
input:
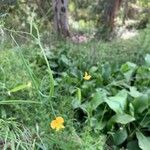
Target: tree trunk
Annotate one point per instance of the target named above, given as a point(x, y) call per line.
point(107, 10)
point(125, 11)
point(60, 17)
point(110, 9)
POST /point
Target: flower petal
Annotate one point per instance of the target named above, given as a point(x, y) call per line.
point(59, 127)
point(53, 124)
point(62, 126)
point(87, 77)
point(86, 74)
point(60, 120)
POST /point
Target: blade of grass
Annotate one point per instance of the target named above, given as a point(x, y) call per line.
point(51, 92)
point(26, 65)
point(7, 102)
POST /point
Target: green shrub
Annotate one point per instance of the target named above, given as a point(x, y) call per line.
point(120, 104)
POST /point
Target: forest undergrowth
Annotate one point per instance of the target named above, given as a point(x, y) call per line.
point(62, 95)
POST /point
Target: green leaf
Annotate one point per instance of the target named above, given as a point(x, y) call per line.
point(147, 59)
point(96, 124)
point(143, 141)
point(145, 123)
point(134, 93)
point(133, 145)
point(121, 118)
point(93, 69)
point(120, 136)
point(131, 109)
point(141, 103)
point(118, 103)
point(65, 60)
point(143, 76)
point(98, 98)
point(77, 101)
point(20, 87)
point(127, 69)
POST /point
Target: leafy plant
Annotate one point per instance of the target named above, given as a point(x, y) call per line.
point(120, 105)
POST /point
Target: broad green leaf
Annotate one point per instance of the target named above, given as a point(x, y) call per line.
point(134, 93)
point(143, 76)
point(120, 136)
point(85, 108)
point(133, 145)
point(65, 60)
point(145, 123)
point(96, 124)
point(143, 141)
point(121, 118)
point(147, 59)
point(118, 103)
point(76, 73)
point(76, 103)
point(93, 69)
point(98, 98)
point(127, 69)
point(141, 103)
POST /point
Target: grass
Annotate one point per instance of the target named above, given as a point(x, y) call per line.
point(25, 124)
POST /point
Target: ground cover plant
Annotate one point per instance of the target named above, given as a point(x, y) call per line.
point(86, 87)
point(110, 99)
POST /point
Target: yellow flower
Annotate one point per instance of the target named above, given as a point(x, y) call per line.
point(86, 76)
point(57, 123)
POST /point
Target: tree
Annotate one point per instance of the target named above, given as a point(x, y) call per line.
point(108, 10)
point(60, 17)
point(125, 10)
